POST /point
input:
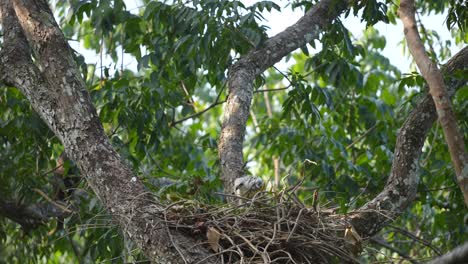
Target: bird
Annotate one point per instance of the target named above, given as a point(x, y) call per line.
point(247, 186)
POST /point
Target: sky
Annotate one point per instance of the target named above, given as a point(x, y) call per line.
point(278, 21)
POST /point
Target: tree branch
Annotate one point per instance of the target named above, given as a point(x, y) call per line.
point(214, 104)
point(435, 80)
point(401, 187)
point(30, 216)
point(244, 71)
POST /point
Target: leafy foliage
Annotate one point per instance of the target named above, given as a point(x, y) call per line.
point(339, 106)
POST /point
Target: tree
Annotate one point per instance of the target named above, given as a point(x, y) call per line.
point(336, 114)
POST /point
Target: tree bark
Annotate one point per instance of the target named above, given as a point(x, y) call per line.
point(243, 73)
point(57, 92)
point(443, 105)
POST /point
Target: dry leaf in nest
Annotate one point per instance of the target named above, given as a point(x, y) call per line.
point(353, 240)
point(213, 236)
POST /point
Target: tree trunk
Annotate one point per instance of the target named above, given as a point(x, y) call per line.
point(57, 92)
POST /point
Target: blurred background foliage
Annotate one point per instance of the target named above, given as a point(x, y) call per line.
point(339, 104)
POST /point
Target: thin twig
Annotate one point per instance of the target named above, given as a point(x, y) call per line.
point(284, 75)
point(254, 248)
point(73, 246)
point(63, 208)
point(428, 155)
point(388, 246)
point(254, 121)
point(440, 189)
point(272, 90)
point(51, 170)
point(295, 224)
point(170, 235)
point(416, 238)
point(276, 160)
point(214, 104)
point(362, 136)
point(189, 97)
point(424, 32)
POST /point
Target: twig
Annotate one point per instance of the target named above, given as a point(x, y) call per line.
point(284, 75)
point(295, 224)
point(170, 235)
point(267, 104)
point(114, 131)
point(388, 246)
point(254, 121)
point(416, 238)
point(362, 136)
point(241, 254)
point(424, 32)
point(216, 103)
point(216, 254)
point(189, 97)
point(424, 162)
point(100, 57)
point(272, 90)
point(276, 160)
point(63, 208)
point(73, 246)
point(122, 37)
point(254, 248)
point(439, 189)
point(51, 170)
point(272, 238)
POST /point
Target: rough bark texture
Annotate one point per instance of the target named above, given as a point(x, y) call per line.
point(401, 187)
point(434, 79)
point(243, 73)
point(57, 92)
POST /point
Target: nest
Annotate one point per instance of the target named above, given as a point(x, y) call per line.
point(267, 229)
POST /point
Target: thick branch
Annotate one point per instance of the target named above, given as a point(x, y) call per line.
point(456, 256)
point(437, 89)
point(401, 187)
point(57, 92)
point(29, 216)
point(242, 74)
